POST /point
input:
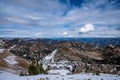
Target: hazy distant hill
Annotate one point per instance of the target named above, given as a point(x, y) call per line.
point(97, 41)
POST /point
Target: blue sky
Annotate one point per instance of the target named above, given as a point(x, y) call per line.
point(59, 18)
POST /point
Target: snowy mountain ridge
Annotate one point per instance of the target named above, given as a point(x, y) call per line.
point(50, 57)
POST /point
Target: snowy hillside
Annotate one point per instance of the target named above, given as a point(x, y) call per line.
point(50, 57)
point(1, 50)
point(55, 67)
point(12, 63)
point(81, 76)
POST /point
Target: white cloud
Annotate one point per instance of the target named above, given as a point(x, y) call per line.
point(86, 28)
point(52, 16)
point(65, 33)
point(38, 34)
point(17, 19)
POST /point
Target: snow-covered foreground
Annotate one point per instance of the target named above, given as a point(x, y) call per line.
point(82, 76)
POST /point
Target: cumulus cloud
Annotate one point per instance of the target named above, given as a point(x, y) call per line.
point(38, 34)
point(65, 33)
point(86, 28)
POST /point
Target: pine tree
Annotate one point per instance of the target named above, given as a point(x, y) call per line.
point(33, 70)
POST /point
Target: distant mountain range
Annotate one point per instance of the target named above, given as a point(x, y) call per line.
point(97, 41)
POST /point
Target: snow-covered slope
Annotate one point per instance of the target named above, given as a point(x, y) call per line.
point(59, 71)
point(50, 57)
point(1, 50)
point(81, 76)
point(55, 67)
point(9, 61)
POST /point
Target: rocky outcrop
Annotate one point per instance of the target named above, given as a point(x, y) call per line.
point(112, 54)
